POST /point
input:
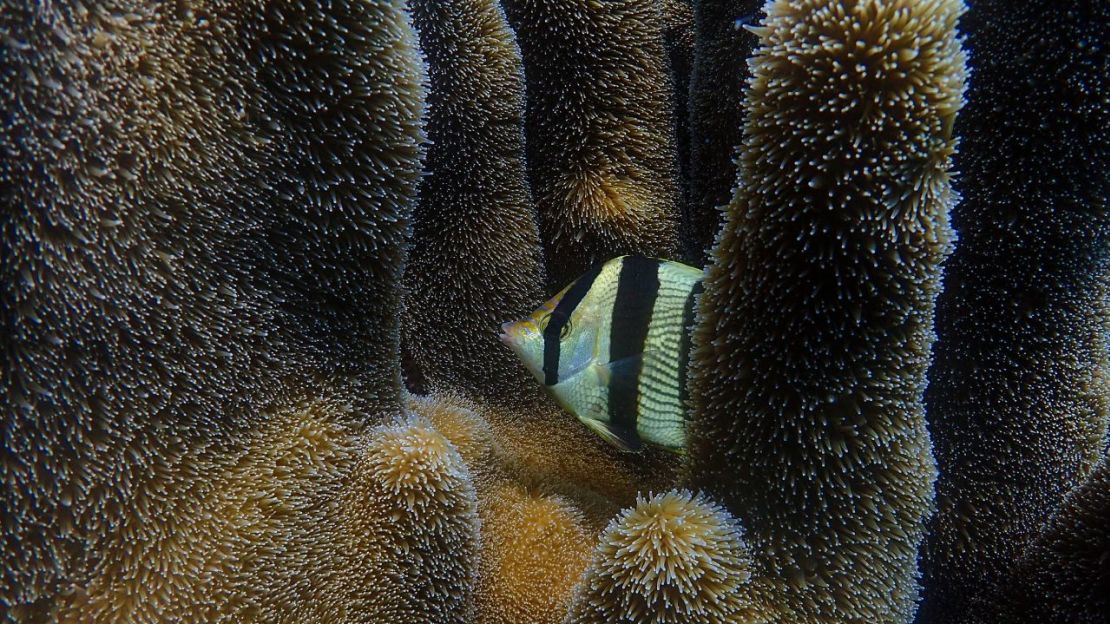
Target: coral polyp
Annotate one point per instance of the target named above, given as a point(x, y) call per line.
point(256, 253)
point(672, 558)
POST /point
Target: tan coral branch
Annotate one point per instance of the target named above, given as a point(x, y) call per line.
point(815, 327)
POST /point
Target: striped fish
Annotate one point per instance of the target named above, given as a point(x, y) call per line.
point(612, 348)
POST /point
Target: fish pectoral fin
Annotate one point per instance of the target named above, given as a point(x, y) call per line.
point(624, 439)
point(624, 369)
point(628, 370)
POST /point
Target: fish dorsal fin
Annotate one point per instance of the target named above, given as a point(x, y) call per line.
point(680, 273)
point(624, 439)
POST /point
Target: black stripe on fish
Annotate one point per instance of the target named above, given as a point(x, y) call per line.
point(637, 289)
point(552, 333)
point(688, 313)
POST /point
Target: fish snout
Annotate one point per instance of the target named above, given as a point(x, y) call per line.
point(506, 333)
point(516, 333)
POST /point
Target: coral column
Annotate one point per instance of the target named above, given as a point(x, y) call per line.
point(1062, 577)
point(815, 327)
point(721, 52)
point(476, 260)
point(601, 146)
point(205, 207)
point(1019, 397)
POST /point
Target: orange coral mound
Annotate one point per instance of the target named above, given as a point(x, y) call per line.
point(546, 486)
point(411, 515)
point(534, 548)
point(308, 521)
point(673, 558)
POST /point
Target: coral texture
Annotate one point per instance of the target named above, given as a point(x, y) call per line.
point(716, 116)
point(412, 511)
point(1019, 396)
point(218, 533)
point(460, 420)
point(545, 488)
point(600, 123)
point(674, 557)
point(204, 205)
point(1063, 576)
point(475, 221)
point(286, 526)
point(815, 326)
point(678, 42)
point(535, 547)
point(549, 450)
point(204, 212)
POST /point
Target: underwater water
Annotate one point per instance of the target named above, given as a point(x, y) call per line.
point(580, 311)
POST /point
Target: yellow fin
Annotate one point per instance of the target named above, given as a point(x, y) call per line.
point(621, 438)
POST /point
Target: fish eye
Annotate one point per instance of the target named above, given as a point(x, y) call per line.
point(563, 333)
point(546, 319)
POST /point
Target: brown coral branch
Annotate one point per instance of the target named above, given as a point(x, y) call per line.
point(815, 327)
point(205, 207)
point(720, 70)
point(1063, 577)
point(475, 260)
point(600, 124)
point(1018, 396)
point(411, 520)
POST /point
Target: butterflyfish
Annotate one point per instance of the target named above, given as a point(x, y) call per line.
point(612, 347)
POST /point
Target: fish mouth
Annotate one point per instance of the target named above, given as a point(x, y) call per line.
point(506, 335)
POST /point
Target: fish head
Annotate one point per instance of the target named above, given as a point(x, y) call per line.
point(525, 336)
point(526, 341)
point(550, 339)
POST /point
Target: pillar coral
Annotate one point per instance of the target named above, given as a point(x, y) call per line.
point(475, 259)
point(205, 205)
point(546, 487)
point(1018, 397)
point(286, 526)
point(814, 330)
point(600, 125)
point(412, 529)
point(1062, 577)
point(716, 115)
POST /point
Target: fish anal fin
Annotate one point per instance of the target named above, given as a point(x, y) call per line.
point(622, 438)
